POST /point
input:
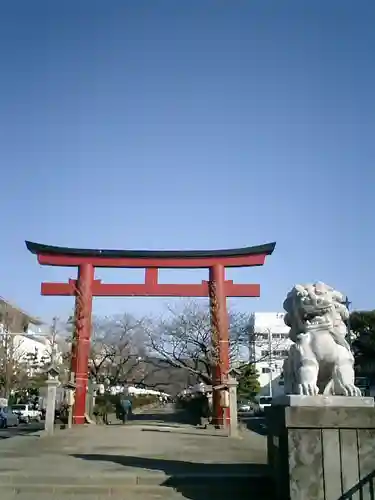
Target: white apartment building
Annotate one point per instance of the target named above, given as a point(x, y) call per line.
point(269, 344)
point(23, 339)
point(31, 349)
point(34, 351)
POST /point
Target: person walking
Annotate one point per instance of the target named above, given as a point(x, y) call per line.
point(125, 409)
point(101, 410)
point(204, 411)
point(201, 409)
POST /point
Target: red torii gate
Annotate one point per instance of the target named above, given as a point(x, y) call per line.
point(86, 287)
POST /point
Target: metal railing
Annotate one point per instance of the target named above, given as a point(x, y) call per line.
point(363, 490)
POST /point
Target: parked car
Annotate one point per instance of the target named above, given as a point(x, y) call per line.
point(245, 407)
point(8, 418)
point(26, 413)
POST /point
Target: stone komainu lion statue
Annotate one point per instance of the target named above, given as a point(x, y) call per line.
point(320, 360)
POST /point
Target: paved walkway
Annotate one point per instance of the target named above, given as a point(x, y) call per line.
point(151, 450)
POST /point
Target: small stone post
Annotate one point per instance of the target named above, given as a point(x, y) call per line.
point(70, 398)
point(52, 384)
point(232, 388)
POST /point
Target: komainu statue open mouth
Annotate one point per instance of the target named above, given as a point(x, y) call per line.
point(320, 360)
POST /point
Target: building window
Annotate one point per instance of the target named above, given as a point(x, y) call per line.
point(266, 370)
point(265, 353)
point(281, 354)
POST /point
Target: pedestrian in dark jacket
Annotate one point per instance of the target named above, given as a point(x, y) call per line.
point(201, 410)
point(205, 410)
point(125, 409)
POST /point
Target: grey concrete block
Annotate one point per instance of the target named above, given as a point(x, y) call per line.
point(332, 466)
point(305, 464)
point(330, 418)
point(325, 401)
point(327, 451)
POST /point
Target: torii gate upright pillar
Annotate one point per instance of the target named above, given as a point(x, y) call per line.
point(80, 362)
point(220, 338)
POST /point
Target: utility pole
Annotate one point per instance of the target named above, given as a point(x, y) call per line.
point(52, 382)
point(7, 341)
point(347, 303)
point(270, 361)
point(8, 354)
point(53, 340)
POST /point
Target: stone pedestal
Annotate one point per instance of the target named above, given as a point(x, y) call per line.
point(233, 422)
point(49, 424)
point(320, 448)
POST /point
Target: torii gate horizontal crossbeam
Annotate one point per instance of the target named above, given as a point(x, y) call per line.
point(151, 290)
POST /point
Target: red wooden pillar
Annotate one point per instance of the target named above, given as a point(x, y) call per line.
point(220, 338)
point(83, 334)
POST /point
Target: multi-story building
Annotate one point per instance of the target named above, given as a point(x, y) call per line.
point(22, 340)
point(269, 345)
point(14, 320)
point(34, 351)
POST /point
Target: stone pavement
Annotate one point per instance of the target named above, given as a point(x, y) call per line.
point(153, 456)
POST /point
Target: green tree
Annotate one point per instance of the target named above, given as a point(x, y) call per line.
point(248, 382)
point(362, 326)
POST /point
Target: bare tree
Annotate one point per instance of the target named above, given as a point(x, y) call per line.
point(184, 339)
point(11, 353)
point(52, 346)
point(57, 350)
point(117, 350)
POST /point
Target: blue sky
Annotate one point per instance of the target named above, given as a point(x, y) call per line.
point(196, 124)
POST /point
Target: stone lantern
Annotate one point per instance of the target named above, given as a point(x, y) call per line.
point(52, 384)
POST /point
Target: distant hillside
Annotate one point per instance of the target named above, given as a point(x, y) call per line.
point(161, 375)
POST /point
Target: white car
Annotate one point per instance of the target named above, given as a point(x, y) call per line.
point(245, 407)
point(26, 413)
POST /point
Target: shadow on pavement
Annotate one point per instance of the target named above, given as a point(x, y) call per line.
point(256, 424)
point(166, 429)
point(176, 417)
point(201, 481)
point(11, 432)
